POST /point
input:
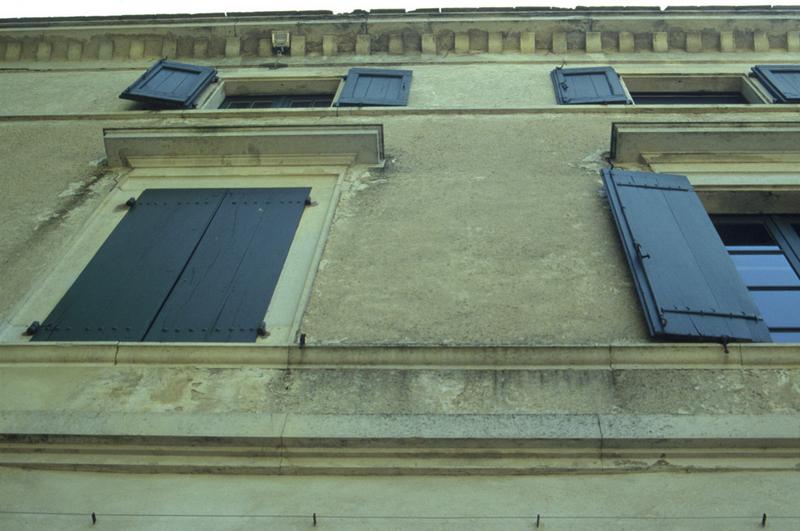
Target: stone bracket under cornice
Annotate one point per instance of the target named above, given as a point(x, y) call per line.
point(245, 37)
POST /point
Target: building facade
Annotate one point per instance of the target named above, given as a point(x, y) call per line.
point(486, 303)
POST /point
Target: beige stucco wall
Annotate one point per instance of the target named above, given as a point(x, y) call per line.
point(686, 501)
point(478, 273)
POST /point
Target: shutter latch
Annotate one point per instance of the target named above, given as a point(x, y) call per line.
point(640, 254)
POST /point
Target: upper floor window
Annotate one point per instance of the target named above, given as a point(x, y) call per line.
point(168, 84)
point(604, 85)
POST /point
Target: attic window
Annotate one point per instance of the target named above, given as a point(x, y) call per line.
point(688, 89)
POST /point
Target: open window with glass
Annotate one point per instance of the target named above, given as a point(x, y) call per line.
point(766, 252)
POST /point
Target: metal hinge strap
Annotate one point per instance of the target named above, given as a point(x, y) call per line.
point(712, 313)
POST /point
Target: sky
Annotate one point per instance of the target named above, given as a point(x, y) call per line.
point(53, 8)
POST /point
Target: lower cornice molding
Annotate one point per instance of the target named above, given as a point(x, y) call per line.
point(298, 444)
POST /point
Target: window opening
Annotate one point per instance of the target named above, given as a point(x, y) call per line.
point(763, 256)
point(276, 102)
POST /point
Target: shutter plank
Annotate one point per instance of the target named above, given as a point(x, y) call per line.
point(225, 290)
point(376, 86)
point(685, 278)
point(118, 294)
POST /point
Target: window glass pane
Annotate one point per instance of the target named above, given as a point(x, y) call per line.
point(796, 229)
point(765, 270)
point(781, 309)
point(263, 104)
point(681, 98)
point(785, 337)
point(746, 236)
point(237, 105)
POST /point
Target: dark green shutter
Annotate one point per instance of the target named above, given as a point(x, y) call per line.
point(599, 84)
point(375, 86)
point(120, 291)
point(782, 81)
point(687, 283)
point(225, 289)
point(170, 84)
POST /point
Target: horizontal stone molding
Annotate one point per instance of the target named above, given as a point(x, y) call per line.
point(600, 357)
point(298, 444)
point(559, 32)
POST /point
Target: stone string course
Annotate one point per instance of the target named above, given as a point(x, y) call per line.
point(390, 32)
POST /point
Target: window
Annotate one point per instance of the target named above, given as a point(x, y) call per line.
point(688, 286)
point(272, 93)
point(765, 251)
point(360, 87)
point(604, 85)
point(195, 265)
point(187, 165)
point(685, 89)
point(277, 102)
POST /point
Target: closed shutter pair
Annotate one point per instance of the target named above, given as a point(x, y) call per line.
point(178, 85)
point(603, 85)
point(183, 265)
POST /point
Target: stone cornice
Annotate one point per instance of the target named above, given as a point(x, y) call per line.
point(397, 33)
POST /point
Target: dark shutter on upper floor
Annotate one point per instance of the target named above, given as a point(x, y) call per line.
point(782, 81)
point(588, 85)
point(375, 86)
point(170, 84)
point(226, 287)
point(183, 265)
point(687, 283)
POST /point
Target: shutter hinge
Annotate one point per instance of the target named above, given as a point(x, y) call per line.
point(309, 202)
point(262, 330)
point(725, 340)
point(714, 313)
point(130, 203)
point(33, 328)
